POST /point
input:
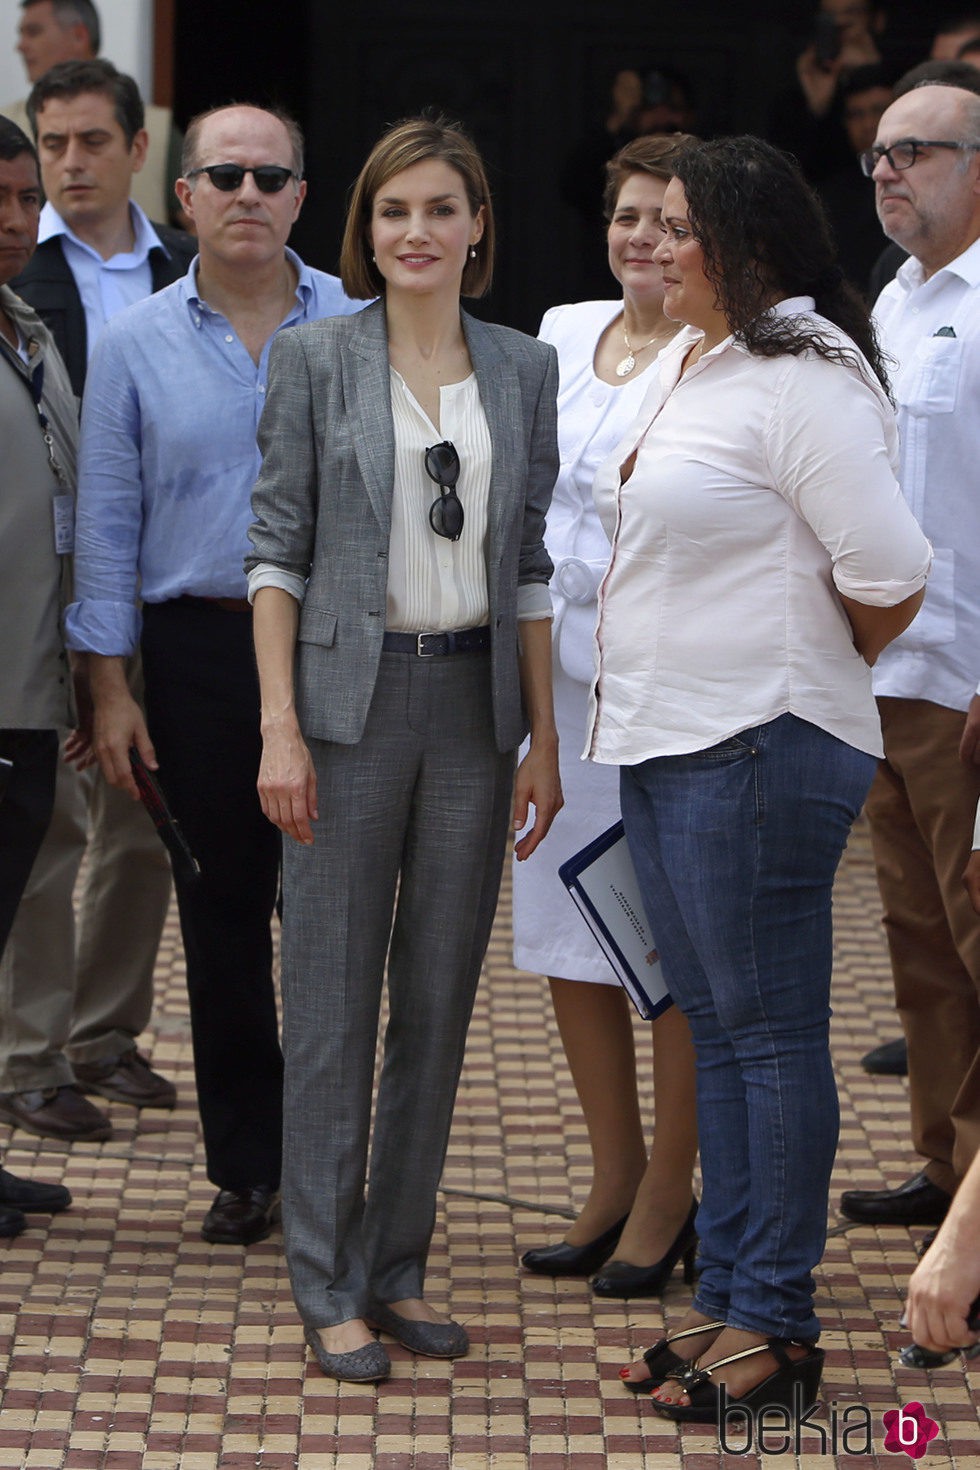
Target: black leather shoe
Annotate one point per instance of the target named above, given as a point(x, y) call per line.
point(916, 1202)
point(621, 1278)
point(241, 1216)
point(31, 1195)
point(12, 1222)
point(891, 1059)
point(574, 1260)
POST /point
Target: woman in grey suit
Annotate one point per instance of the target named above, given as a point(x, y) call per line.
point(399, 567)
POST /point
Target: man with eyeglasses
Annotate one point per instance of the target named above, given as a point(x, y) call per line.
point(925, 164)
point(173, 399)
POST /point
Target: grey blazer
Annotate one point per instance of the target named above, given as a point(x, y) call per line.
point(322, 503)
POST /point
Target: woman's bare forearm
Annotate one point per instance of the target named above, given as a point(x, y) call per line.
point(875, 627)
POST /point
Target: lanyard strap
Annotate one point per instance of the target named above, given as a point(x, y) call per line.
point(34, 381)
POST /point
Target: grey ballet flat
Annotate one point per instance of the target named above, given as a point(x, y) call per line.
point(367, 1364)
point(428, 1339)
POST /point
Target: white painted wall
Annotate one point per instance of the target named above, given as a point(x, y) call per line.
point(127, 41)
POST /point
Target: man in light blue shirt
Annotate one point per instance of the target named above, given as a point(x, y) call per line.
point(174, 395)
point(98, 252)
point(53, 31)
point(105, 285)
point(89, 121)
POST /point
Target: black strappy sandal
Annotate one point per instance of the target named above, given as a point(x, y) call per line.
point(662, 1361)
point(792, 1386)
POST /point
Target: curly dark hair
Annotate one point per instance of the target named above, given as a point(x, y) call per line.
point(763, 232)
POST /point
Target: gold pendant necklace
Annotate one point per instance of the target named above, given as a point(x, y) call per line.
point(628, 363)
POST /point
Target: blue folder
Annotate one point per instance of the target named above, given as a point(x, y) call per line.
point(603, 885)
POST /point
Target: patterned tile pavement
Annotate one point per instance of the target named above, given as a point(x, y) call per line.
point(128, 1342)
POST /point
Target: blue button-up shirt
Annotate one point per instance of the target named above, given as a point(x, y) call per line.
point(105, 286)
point(168, 456)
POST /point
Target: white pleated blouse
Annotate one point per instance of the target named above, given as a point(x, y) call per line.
point(434, 585)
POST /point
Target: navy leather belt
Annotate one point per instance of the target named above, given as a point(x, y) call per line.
point(438, 645)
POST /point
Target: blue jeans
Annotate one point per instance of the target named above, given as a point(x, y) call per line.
point(736, 848)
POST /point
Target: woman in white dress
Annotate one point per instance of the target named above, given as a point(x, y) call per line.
point(639, 1209)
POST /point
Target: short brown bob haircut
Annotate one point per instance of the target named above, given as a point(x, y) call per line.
point(415, 140)
point(653, 154)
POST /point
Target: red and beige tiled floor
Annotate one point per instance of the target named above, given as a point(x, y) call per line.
point(128, 1342)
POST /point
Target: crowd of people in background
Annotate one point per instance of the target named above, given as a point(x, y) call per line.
point(232, 572)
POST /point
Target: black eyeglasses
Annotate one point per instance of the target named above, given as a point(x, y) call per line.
point(270, 178)
point(446, 513)
point(903, 154)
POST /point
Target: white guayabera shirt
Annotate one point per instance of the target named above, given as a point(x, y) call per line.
point(931, 332)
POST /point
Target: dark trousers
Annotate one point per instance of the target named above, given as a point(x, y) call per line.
point(202, 703)
point(25, 811)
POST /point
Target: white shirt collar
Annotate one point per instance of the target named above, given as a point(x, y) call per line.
point(910, 274)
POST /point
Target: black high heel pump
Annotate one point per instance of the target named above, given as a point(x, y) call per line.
point(574, 1260)
point(620, 1278)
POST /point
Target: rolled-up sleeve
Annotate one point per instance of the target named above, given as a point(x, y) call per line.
point(832, 445)
point(264, 574)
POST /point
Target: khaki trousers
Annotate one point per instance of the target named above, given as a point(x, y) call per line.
point(921, 808)
point(83, 991)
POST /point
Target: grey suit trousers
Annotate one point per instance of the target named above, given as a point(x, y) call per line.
point(409, 849)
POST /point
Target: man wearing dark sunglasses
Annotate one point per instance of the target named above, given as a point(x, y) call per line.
point(173, 398)
point(925, 164)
